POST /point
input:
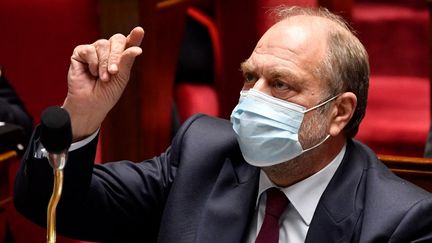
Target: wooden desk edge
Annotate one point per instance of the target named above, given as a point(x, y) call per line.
point(7, 155)
point(407, 164)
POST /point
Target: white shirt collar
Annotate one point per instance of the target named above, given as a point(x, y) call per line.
point(305, 195)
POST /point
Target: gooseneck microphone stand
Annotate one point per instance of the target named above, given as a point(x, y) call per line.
point(56, 137)
point(52, 206)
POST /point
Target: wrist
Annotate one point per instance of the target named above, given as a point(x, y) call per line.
point(84, 122)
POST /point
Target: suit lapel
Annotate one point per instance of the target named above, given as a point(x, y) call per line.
point(341, 205)
point(230, 206)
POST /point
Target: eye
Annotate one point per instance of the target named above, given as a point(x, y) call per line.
point(249, 77)
point(282, 90)
point(280, 85)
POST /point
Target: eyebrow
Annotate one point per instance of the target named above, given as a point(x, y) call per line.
point(296, 81)
point(246, 67)
point(274, 73)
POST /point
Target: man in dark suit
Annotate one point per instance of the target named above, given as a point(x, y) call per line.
point(12, 109)
point(17, 122)
point(304, 96)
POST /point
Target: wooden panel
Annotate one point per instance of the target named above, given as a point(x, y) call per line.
point(5, 160)
point(413, 169)
point(119, 136)
point(237, 22)
point(429, 3)
point(161, 50)
point(139, 126)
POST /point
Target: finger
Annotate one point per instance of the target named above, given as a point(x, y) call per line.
point(86, 54)
point(135, 37)
point(127, 60)
point(118, 43)
point(102, 49)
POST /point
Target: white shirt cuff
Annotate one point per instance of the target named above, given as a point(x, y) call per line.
point(42, 153)
point(83, 142)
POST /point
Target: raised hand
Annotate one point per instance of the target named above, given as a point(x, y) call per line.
point(97, 76)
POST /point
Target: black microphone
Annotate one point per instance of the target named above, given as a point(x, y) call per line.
point(56, 137)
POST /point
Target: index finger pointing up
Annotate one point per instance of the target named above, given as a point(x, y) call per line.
point(135, 37)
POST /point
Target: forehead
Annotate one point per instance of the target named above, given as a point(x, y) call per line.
point(296, 45)
point(301, 37)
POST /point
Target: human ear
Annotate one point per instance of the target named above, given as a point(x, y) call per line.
point(341, 112)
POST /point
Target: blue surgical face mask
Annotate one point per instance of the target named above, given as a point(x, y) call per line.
point(267, 128)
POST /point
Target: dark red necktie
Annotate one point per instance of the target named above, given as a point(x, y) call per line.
point(275, 206)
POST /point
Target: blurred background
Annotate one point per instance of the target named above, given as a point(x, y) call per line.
point(190, 64)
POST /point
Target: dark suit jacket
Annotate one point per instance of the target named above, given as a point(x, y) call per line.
point(201, 190)
point(12, 109)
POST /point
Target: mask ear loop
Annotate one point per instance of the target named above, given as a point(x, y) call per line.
point(323, 103)
point(316, 145)
point(312, 108)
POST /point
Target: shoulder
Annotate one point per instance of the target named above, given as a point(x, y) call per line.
point(387, 197)
point(383, 182)
point(205, 128)
point(208, 125)
point(202, 135)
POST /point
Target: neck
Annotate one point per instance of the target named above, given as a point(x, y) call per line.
point(307, 164)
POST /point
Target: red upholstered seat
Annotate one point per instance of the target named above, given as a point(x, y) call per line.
point(395, 34)
point(199, 96)
point(196, 98)
point(396, 37)
point(397, 117)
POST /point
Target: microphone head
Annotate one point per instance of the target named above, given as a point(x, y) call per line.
point(56, 131)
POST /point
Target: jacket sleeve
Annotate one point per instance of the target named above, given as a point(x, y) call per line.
point(114, 202)
point(416, 225)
